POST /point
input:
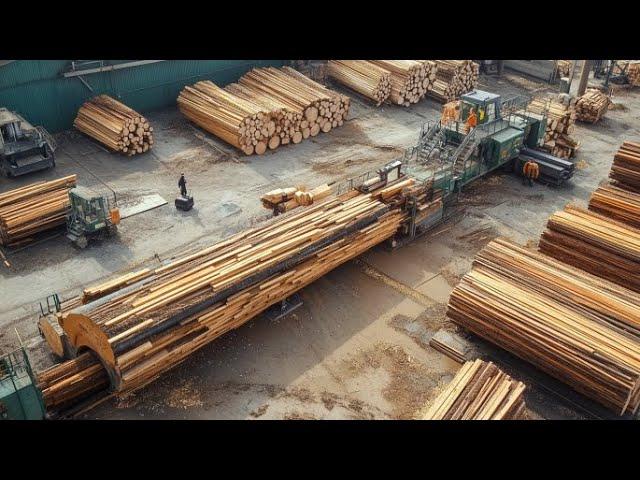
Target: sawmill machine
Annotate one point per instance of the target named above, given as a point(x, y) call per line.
point(92, 216)
point(505, 136)
point(23, 147)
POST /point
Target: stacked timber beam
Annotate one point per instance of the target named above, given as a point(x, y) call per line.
point(366, 78)
point(625, 171)
point(579, 328)
point(115, 125)
point(479, 391)
point(594, 243)
point(592, 106)
point(266, 108)
point(286, 199)
point(27, 211)
point(454, 78)
point(617, 203)
point(147, 327)
point(410, 79)
point(561, 117)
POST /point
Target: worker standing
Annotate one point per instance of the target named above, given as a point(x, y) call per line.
point(472, 120)
point(530, 172)
point(182, 184)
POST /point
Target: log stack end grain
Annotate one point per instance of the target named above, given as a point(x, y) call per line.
point(625, 170)
point(115, 125)
point(592, 106)
point(561, 117)
point(454, 78)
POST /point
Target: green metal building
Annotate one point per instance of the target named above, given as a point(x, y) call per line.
point(49, 92)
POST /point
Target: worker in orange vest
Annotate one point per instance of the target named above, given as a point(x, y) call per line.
point(530, 172)
point(472, 120)
point(450, 112)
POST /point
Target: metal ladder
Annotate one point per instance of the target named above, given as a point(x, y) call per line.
point(463, 152)
point(429, 139)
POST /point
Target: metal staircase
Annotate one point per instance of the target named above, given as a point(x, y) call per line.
point(430, 139)
point(463, 152)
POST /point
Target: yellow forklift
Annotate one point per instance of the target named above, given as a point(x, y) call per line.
point(91, 216)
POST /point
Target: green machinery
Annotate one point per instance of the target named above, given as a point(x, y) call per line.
point(92, 215)
point(20, 399)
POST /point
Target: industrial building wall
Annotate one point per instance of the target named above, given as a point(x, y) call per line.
point(37, 90)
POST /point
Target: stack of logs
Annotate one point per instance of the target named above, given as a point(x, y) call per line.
point(286, 199)
point(155, 323)
point(115, 125)
point(453, 78)
point(268, 107)
point(617, 204)
point(592, 106)
point(579, 328)
point(594, 243)
point(625, 171)
point(29, 210)
point(561, 117)
point(410, 79)
point(479, 391)
point(364, 77)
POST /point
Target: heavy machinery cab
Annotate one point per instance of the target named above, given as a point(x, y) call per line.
point(23, 147)
point(91, 215)
point(485, 104)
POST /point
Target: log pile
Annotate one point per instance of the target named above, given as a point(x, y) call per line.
point(479, 391)
point(364, 77)
point(148, 327)
point(592, 106)
point(625, 171)
point(29, 210)
point(266, 108)
point(115, 125)
point(574, 326)
point(617, 203)
point(454, 78)
point(595, 244)
point(410, 79)
point(561, 117)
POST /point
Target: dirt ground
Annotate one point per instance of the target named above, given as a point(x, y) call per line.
point(358, 347)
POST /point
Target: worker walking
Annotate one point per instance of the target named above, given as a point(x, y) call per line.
point(472, 120)
point(182, 184)
point(530, 172)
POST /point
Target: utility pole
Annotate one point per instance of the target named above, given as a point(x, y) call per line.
point(584, 77)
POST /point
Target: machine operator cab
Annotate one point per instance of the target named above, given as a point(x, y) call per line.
point(91, 215)
point(485, 104)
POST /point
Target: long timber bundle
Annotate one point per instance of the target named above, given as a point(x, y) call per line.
point(617, 203)
point(410, 79)
point(595, 244)
point(364, 77)
point(115, 125)
point(29, 210)
point(592, 106)
point(561, 119)
point(625, 171)
point(266, 108)
point(145, 328)
point(576, 327)
point(453, 78)
point(479, 391)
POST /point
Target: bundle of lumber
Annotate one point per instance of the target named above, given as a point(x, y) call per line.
point(625, 170)
point(115, 125)
point(286, 199)
point(561, 117)
point(410, 79)
point(453, 78)
point(479, 391)
point(592, 106)
point(594, 243)
point(364, 77)
point(563, 67)
point(617, 203)
point(29, 210)
point(147, 327)
point(574, 326)
point(632, 70)
point(266, 108)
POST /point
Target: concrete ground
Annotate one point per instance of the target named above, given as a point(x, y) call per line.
point(358, 348)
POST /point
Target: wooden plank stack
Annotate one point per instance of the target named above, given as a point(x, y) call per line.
point(632, 71)
point(479, 391)
point(364, 77)
point(592, 106)
point(453, 78)
point(143, 330)
point(576, 327)
point(286, 199)
point(410, 79)
point(594, 243)
point(266, 108)
point(617, 203)
point(115, 125)
point(27, 211)
point(561, 117)
point(625, 171)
